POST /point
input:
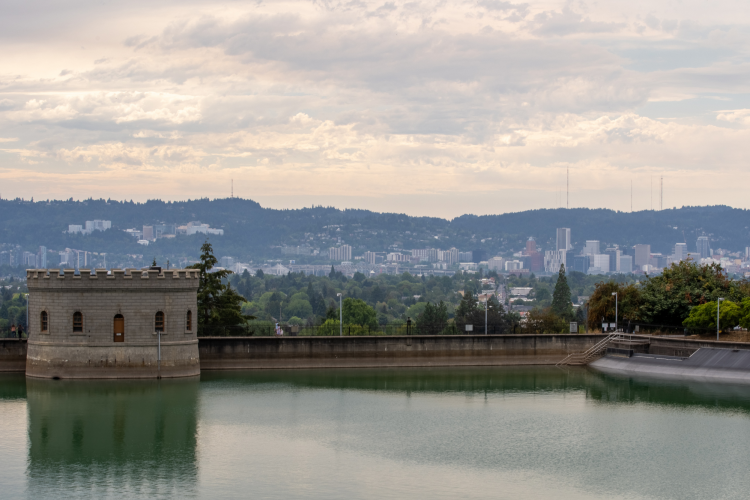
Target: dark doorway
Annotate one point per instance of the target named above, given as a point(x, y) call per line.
point(119, 328)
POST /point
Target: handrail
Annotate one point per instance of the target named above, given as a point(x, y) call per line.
point(597, 348)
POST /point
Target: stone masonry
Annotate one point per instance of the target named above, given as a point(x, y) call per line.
point(96, 298)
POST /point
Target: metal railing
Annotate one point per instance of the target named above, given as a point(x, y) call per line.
point(398, 329)
point(595, 351)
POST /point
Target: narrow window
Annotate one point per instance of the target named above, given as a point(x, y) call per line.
point(44, 321)
point(189, 321)
point(77, 322)
point(159, 323)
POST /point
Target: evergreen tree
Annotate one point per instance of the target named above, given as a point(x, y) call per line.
point(561, 304)
point(218, 304)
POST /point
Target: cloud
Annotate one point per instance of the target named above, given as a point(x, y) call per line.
point(376, 97)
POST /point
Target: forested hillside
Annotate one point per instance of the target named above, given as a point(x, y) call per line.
point(252, 232)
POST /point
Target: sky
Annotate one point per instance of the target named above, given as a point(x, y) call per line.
point(428, 108)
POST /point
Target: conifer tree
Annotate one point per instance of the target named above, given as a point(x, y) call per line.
point(561, 304)
point(218, 304)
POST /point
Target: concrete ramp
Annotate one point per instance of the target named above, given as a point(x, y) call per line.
point(732, 365)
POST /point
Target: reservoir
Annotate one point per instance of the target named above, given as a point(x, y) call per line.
point(425, 433)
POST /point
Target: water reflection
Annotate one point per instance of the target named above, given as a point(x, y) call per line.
point(97, 438)
point(596, 386)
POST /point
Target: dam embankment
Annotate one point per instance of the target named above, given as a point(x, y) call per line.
point(232, 353)
point(13, 355)
point(388, 351)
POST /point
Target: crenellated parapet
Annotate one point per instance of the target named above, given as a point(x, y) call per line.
point(115, 278)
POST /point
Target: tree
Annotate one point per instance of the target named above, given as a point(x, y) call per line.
point(434, 318)
point(601, 304)
point(561, 304)
point(704, 315)
point(669, 297)
point(357, 312)
point(544, 321)
point(218, 304)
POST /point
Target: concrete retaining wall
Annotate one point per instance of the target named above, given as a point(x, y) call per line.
point(385, 351)
point(12, 355)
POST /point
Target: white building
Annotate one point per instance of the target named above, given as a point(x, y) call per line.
point(626, 264)
point(344, 252)
point(563, 239)
point(599, 264)
point(75, 228)
point(513, 265)
point(553, 259)
point(98, 225)
point(495, 263)
point(591, 248)
point(397, 257)
point(680, 252)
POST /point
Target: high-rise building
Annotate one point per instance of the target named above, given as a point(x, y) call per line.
point(591, 248)
point(97, 225)
point(454, 255)
point(513, 265)
point(704, 247)
point(601, 263)
point(226, 262)
point(369, 257)
point(148, 233)
point(553, 259)
point(563, 239)
point(344, 252)
point(680, 252)
point(495, 263)
point(626, 264)
point(581, 263)
point(530, 246)
point(642, 255)
point(614, 258)
point(41, 257)
point(29, 260)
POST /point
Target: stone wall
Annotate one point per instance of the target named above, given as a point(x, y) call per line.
point(92, 352)
point(12, 355)
point(385, 351)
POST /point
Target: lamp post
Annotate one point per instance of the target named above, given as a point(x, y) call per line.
point(718, 307)
point(615, 294)
point(485, 314)
point(341, 316)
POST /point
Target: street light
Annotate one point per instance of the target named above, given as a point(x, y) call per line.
point(615, 294)
point(718, 307)
point(485, 314)
point(341, 316)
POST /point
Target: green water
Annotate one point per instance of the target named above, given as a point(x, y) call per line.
point(426, 433)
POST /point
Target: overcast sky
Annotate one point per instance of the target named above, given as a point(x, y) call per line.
point(430, 108)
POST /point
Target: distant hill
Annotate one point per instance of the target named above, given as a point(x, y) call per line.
point(252, 231)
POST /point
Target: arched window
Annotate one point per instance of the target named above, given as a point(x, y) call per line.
point(77, 321)
point(43, 322)
point(159, 322)
point(119, 328)
point(189, 323)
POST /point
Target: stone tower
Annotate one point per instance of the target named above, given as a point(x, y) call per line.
point(102, 324)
